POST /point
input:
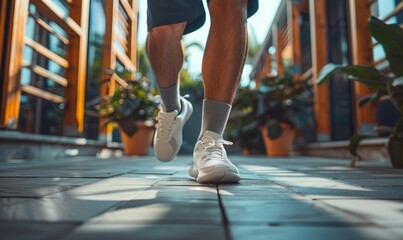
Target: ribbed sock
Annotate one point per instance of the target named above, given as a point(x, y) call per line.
point(215, 116)
point(170, 98)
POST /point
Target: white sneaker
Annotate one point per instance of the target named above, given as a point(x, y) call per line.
point(168, 136)
point(210, 161)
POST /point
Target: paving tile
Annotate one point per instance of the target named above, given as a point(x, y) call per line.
point(309, 232)
point(26, 190)
point(57, 181)
point(265, 212)
point(163, 213)
point(61, 173)
point(326, 193)
point(5, 180)
point(179, 192)
point(383, 212)
point(132, 180)
point(375, 182)
point(177, 182)
point(147, 232)
point(153, 171)
point(102, 192)
point(174, 202)
point(33, 231)
point(9, 201)
point(141, 198)
point(54, 210)
point(245, 192)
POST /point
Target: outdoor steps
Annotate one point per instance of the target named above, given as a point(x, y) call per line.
point(370, 149)
point(17, 145)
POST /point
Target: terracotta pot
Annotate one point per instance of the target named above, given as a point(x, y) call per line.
point(281, 146)
point(139, 142)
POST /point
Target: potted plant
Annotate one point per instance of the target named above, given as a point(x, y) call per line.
point(242, 126)
point(275, 109)
point(281, 102)
point(390, 36)
point(132, 107)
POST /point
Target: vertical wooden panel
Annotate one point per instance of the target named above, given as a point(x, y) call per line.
point(76, 73)
point(296, 35)
point(110, 52)
point(3, 12)
point(132, 54)
point(13, 63)
point(267, 64)
point(319, 59)
point(109, 59)
point(361, 54)
point(277, 43)
point(265, 70)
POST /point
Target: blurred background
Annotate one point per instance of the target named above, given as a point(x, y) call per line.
point(60, 59)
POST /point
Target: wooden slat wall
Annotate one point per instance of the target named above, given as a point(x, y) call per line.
point(3, 7)
point(13, 64)
point(319, 59)
point(111, 53)
point(277, 36)
point(77, 56)
point(361, 54)
point(293, 10)
point(76, 25)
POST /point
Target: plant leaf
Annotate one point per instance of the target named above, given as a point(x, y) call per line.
point(390, 36)
point(355, 142)
point(367, 75)
point(397, 82)
point(371, 98)
point(128, 125)
point(396, 95)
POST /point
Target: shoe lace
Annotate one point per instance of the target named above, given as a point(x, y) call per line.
point(214, 147)
point(165, 127)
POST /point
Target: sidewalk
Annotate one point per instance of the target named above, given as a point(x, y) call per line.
point(140, 198)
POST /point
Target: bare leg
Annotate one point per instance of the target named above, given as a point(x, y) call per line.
point(223, 61)
point(166, 54)
point(226, 49)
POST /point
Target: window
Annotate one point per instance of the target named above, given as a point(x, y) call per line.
point(97, 24)
point(340, 89)
point(42, 77)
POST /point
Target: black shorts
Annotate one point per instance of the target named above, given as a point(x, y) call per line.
point(166, 12)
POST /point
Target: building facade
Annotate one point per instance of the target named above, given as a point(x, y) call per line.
point(308, 34)
point(54, 54)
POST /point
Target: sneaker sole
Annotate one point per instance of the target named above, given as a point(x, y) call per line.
point(217, 174)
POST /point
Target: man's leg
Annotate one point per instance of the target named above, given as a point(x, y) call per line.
point(166, 55)
point(223, 63)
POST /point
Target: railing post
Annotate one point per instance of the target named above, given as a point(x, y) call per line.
point(319, 59)
point(361, 55)
point(14, 48)
point(76, 73)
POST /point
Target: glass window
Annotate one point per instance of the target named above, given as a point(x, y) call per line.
point(305, 29)
point(62, 5)
point(36, 114)
point(340, 89)
point(97, 25)
point(382, 9)
point(40, 116)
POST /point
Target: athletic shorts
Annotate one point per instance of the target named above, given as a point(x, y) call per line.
point(166, 12)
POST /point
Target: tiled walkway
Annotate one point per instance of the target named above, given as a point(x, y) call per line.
point(140, 198)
